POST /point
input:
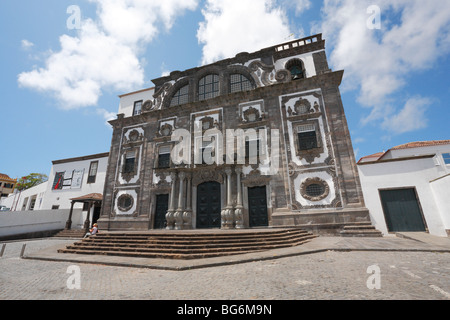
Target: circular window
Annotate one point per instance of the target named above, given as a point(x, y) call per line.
point(314, 189)
point(125, 202)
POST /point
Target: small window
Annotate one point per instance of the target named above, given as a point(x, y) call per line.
point(164, 157)
point(208, 87)
point(129, 162)
point(137, 108)
point(446, 157)
point(180, 97)
point(295, 66)
point(92, 172)
point(239, 82)
point(307, 138)
point(55, 207)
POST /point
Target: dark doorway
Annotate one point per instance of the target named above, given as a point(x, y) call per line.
point(96, 216)
point(401, 210)
point(162, 204)
point(257, 207)
point(208, 205)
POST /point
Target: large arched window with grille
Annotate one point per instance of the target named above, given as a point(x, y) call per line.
point(239, 82)
point(208, 87)
point(180, 97)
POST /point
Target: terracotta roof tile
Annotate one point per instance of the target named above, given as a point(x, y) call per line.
point(417, 144)
point(6, 177)
point(91, 196)
point(372, 157)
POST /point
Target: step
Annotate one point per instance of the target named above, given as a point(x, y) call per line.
point(187, 245)
point(172, 255)
point(144, 236)
point(192, 246)
point(75, 233)
point(361, 233)
point(187, 240)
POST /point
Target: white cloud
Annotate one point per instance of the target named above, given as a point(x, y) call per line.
point(107, 115)
point(411, 117)
point(380, 62)
point(104, 53)
point(233, 26)
point(26, 44)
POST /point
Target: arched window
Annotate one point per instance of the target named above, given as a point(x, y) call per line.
point(208, 87)
point(239, 82)
point(295, 66)
point(180, 97)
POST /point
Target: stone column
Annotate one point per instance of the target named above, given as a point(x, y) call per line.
point(179, 213)
point(227, 213)
point(170, 220)
point(69, 220)
point(238, 212)
point(187, 215)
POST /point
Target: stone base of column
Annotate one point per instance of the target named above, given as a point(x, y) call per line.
point(239, 217)
point(178, 217)
point(227, 216)
point(170, 220)
point(187, 219)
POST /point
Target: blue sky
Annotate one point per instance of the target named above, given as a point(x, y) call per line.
point(60, 84)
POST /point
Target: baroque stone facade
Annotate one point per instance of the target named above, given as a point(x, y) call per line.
point(289, 160)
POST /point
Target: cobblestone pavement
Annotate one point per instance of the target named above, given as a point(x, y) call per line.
point(325, 275)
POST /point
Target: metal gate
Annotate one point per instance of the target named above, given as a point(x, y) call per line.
point(402, 210)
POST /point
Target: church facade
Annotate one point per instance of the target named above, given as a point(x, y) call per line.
point(256, 140)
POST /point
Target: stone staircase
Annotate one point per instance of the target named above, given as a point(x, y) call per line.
point(72, 233)
point(188, 245)
point(360, 229)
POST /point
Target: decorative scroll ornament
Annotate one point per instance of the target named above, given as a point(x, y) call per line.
point(266, 74)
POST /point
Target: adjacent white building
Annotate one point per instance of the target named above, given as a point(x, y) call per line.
point(47, 206)
point(407, 188)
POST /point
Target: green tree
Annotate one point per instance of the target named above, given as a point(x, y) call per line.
point(31, 180)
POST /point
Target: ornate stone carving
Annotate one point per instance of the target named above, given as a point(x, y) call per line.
point(166, 130)
point(266, 75)
point(132, 137)
point(255, 179)
point(251, 115)
point(147, 106)
point(203, 175)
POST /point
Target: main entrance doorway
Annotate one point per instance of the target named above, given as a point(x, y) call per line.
point(257, 207)
point(208, 205)
point(162, 204)
point(401, 210)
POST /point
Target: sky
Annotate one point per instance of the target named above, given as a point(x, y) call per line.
point(63, 64)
